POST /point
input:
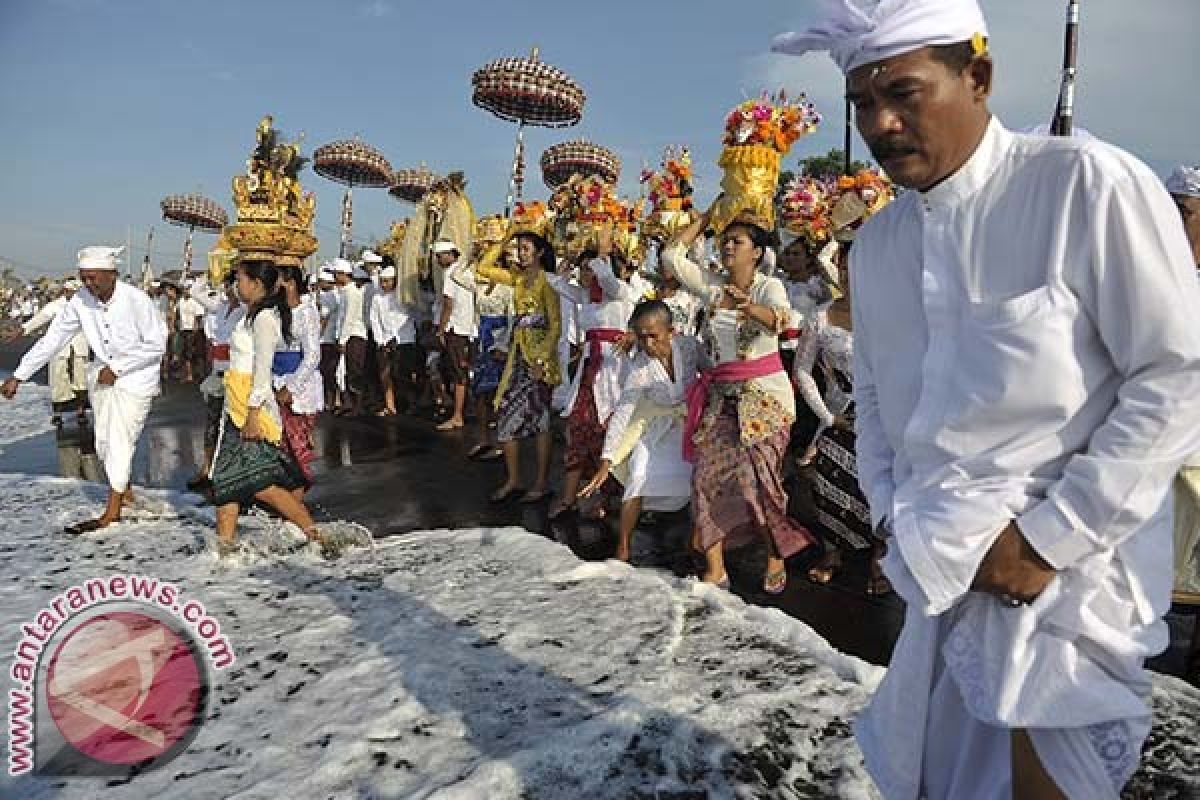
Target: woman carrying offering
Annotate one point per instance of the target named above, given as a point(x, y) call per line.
point(740, 412)
point(250, 463)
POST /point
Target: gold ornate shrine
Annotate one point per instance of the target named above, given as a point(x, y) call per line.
point(274, 215)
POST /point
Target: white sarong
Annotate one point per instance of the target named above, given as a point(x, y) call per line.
point(120, 416)
point(1187, 530)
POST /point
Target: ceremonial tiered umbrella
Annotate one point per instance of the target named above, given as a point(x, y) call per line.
point(579, 157)
point(529, 92)
point(353, 163)
point(194, 212)
point(411, 185)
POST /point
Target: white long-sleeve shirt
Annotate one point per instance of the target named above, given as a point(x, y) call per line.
point(191, 312)
point(351, 319)
point(78, 345)
point(308, 393)
point(392, 320)
point(328, 303)
point(1025, 349)
point(611, 313)
point(126, 334)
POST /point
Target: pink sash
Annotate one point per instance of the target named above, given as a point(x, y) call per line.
point(597, 335)
point(729, 372)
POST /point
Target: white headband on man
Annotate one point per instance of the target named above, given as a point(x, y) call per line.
point(387, 273)
point(99, 257)
point(856, 33)
point(1185, 181)
point(444, 246)
point(371, 257)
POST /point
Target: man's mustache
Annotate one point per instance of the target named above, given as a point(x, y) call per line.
point(891, 149)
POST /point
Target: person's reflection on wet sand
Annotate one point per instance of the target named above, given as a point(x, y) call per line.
point(77, 453)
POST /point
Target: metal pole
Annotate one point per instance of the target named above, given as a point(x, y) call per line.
point(147, 271)
point(187, 251)
point(1064, 115)
point(517, 180)
point(846, 143)
point(347, 221)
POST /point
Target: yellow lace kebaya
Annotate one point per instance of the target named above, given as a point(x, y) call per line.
point(537, 322)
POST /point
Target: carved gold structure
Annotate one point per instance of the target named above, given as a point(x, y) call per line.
point(274, 215)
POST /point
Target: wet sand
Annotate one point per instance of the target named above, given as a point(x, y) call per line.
point(398, 475)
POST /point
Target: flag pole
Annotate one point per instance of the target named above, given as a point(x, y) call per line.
point(1064, 114)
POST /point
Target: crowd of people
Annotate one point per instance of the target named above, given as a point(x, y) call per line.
point(986, 388)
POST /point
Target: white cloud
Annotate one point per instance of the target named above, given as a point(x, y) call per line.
point(376, 9)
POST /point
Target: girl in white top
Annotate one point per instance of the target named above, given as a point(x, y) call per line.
point(296, 374)
point(605, 301)
point(250, 463)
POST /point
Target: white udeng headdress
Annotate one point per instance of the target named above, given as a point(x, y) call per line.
point(864, 31)
point(99, 257)
point(1185, 180)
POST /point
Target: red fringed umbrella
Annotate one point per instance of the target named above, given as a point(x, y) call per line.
point(194, 212)
point(353, 163)
point(529, 92)
point(581, 157)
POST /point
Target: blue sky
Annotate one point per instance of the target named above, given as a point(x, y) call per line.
point(107, 105)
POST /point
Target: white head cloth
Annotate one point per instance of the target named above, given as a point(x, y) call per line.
point(768, 262)
point(1185, 181)
point(444, 246)
point(99, 257)
point(371, 257)
point(342, 265)
point(857, 32)
point(387, 273)
point(360, 274)
point(325, 275)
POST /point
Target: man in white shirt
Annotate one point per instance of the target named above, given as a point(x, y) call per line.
point(394, 328)
point(351, 334)
point(1027, 360)
point(68, 368)
point(223, 310)
point(455, 331)
point(327, 306)
point(1184, 186)
point(191, 331)
point(128, 337)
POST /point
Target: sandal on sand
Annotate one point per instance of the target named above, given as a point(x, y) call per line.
point(775, 582)
point(477, 451)
point(879, 585)
point(87, 526)
point(335, 539)
point(535, 497)
point(493, 454)
point(823, 571)
point(499, 497)
point(561, 509)
point(448, 426)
